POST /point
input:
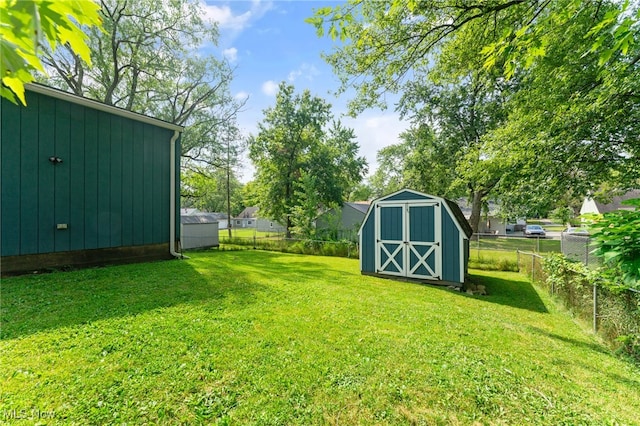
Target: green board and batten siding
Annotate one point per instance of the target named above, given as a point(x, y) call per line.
point(419, 221)
point(111, 188)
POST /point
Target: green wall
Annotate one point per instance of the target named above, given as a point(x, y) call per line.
point(111, 189)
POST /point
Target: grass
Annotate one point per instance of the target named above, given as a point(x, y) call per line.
point(252, 337)
point(543, 245)
point(247, 233)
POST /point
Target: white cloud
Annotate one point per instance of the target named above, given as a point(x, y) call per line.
point(241, 96)
point(231, 54)
point(374, 132)
point(309, 71)
point(227, 19)
point(270, 88)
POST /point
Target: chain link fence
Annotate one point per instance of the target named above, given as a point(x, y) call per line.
point(278, 242)
point(613, 315)
point(578, 248)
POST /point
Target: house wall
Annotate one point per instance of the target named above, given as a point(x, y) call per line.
point(199, 235)
point(110, 190)
point(349, 222)
point(267, 225)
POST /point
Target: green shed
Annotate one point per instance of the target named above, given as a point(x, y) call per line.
point(84, 183)
point(413, 235)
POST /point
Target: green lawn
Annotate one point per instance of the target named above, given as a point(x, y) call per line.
point(253, 337)
point(543, 245)
point(247, 233)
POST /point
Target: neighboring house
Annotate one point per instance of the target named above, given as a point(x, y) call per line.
point(246, 219)
point(84, 183)
point(490, 222)
point(344, 222)
point(249, 218)
point(590, 205)
point(418, 236)
point(199, 230)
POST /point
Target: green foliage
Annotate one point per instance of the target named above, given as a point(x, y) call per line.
point(540, 142)
point(297, 137)
point(303, 215)
point(617, 240)
point(27, 26)
point(562, 214)
point(573, 282)
point(207, 191)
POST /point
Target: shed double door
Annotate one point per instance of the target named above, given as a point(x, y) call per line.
point(408, 240)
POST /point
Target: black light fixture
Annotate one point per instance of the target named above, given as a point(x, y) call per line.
point(55, 160)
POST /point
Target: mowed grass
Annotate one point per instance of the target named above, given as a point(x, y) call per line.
point(253, 337)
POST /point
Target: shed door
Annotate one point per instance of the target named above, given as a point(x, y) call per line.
point(423, 241)
point(390, 239)
point(408, 240)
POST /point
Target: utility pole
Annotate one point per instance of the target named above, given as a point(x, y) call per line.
point(229, 186)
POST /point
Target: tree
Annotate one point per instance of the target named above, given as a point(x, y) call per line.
point(544, 142)
point(206, 190)
point(26, 26)
point(146, 61)
point(297, 137)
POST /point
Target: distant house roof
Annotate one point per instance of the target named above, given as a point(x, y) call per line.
point(591, 205)
point(198, 218)
point(361, 206)
point(188, 211)
point(248, 213)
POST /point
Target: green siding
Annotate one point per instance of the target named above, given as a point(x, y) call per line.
point(28, 178)
point(104, 188)
point(46, 175)
point(61, 175)
point(10, 153)
point(127, 183)
point(111, 189)
point(368, 243)
point(77, 182)
point(450, 248)
point(115, 206)
point(91, 180)
point(138, 183)
point(406, 195)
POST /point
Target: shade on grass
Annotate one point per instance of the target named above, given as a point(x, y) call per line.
point(253, 337)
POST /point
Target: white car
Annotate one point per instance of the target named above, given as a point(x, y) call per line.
point(534, 231)
point(576, 231)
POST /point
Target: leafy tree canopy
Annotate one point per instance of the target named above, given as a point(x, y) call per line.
point(27, 26)
point(299, 146)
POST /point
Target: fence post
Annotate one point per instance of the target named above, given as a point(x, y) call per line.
point(595, 308)
point(533, 267)
point(518, 259)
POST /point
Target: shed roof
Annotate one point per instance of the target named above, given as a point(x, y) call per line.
point(90, 103)
point(198, 218)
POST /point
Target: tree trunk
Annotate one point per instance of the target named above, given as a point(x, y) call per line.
point(476, 210)
point(287, 233)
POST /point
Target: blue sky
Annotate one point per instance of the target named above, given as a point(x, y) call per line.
point(269, 42)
